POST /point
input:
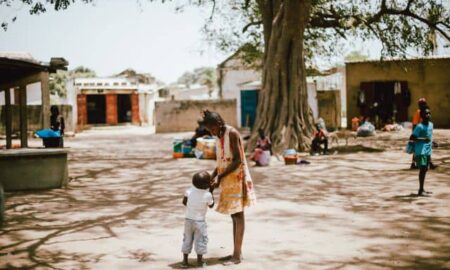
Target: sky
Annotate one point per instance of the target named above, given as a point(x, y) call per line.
point(112, 35)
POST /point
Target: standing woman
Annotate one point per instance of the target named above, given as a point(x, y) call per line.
point(233, 177)
point(57, 124)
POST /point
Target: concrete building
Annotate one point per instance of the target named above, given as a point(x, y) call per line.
point(240, 82)
point(28, 168)
point(390, 89)
point(111, 101)
point(24, 92)
point(331, 96)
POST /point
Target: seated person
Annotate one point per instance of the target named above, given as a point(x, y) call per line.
point(320, 137)
point(200, 132)
point(262, 152)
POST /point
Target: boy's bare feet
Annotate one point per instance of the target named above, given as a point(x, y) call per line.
point(200, 261)
point(185, 263)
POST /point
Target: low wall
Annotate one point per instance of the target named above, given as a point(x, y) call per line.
point(182, 115)
point(31, 169)
point(34, 113)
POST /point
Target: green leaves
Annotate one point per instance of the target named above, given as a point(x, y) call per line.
point(58, 80)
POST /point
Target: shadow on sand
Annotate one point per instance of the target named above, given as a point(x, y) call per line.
point(193, 263)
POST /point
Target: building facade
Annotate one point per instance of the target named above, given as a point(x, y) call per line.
point(110, 101)
point(388, 90)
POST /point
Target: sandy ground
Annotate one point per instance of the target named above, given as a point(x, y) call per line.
point(122, 210)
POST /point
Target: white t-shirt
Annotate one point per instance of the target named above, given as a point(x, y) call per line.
point(197, 203)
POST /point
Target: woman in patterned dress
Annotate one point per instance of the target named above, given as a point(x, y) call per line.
point(233, 177)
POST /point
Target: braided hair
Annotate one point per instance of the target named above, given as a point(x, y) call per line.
point(212, 119)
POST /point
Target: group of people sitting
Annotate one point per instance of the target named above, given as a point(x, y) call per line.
point(263, 150)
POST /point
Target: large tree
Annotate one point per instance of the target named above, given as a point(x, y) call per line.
point(291, 31)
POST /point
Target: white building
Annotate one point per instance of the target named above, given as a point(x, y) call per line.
point(111, 101)
point(243, 83)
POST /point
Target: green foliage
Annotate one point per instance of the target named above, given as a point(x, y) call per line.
point(58, 80)
point(204, 76)
point(355, 56)
point(400, 25)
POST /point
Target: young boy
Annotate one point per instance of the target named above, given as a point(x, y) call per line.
point(197, 199)
point(423, 136)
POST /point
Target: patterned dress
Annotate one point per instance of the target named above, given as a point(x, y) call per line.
point(237, 191)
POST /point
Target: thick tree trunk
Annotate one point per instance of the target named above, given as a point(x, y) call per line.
point(283, 110)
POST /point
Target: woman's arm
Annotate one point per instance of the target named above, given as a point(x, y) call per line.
point(63, 125)
point(212, 185)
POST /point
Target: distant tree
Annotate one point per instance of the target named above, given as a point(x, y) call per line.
point(356, 56)
point(204, 76)
point(144, 78)
point(58, 80)
point(291, 31)
point(208, 79)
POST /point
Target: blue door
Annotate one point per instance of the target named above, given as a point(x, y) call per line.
point(249, 101)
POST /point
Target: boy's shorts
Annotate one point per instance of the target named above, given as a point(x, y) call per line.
point(195, 232)
point(423, 161)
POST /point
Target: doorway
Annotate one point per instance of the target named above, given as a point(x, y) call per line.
point(384, 101)
point(124, 108)
point(249, 102)
point(96, 109)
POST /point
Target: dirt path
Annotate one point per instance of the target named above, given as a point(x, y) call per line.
point(122, 210)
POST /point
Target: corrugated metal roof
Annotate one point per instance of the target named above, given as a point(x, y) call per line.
point(22, 56)
point(431, 57)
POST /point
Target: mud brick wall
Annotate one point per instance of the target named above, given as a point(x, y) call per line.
point(182, 115)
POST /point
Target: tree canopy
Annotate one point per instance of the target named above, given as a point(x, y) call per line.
point(57, 82)
point(202, 75)
point(399, 24)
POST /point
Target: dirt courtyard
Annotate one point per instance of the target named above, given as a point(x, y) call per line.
point(122, 209)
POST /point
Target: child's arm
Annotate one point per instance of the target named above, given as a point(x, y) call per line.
point(415, 136)
point(211, 202)
point(185, 200)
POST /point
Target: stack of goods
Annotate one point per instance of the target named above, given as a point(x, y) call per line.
point(177, 148)
point(366, 130)
point(186, 148)
point(206, 148)
point(290, 156)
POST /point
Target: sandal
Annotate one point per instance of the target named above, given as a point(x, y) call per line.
point(232, 262)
